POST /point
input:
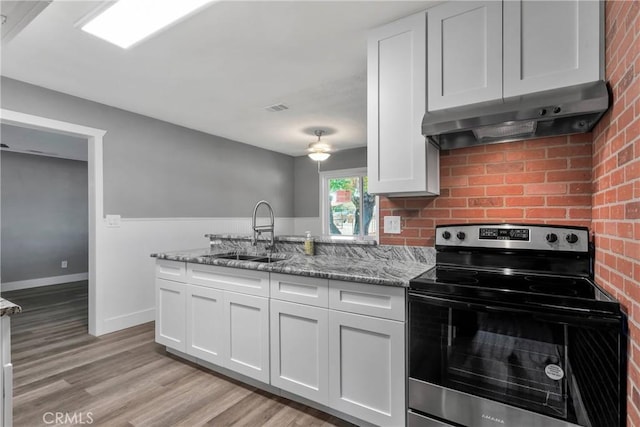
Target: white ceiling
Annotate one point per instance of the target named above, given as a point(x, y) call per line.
point(217, 70)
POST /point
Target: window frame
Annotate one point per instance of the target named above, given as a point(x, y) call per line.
point(325, 176)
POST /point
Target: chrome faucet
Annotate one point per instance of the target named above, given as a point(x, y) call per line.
point(259, 229)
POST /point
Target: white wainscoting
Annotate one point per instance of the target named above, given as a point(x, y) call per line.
point(312, 224)
point(127, 270)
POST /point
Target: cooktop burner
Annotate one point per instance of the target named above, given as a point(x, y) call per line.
point(510, 282)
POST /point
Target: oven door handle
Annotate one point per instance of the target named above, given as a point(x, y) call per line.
point(580, 318)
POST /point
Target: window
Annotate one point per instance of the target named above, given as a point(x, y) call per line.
point(347, 208)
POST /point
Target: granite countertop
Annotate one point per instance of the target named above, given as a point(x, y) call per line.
point(335, 240)
point(372, 271)
point(8, 308)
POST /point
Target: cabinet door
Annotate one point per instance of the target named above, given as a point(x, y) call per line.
point(299, 350)
point(7, 390)
point(367, 375)
point(6, 373)
point(464, 53)
point(551, 44)
point(247, 329)
point(170, 314)
point(205, 324)
point(396, 101)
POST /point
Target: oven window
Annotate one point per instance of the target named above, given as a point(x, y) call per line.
point(550, 368)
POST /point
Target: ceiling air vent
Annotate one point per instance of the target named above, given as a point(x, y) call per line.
point(276, 107)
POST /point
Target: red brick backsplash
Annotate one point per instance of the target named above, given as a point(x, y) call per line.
point(537, 181)
point(616, 181)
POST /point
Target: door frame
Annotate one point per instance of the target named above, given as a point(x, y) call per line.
point(95, 186)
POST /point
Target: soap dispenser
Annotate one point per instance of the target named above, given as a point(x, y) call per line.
point(308, 243)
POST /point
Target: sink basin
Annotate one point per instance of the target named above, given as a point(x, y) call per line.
point(248, 257)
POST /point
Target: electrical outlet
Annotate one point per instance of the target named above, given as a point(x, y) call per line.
point(63, 264)
point(392, 225)
point(113, 221)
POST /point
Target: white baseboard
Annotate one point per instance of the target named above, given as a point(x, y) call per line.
point(43, 281)
point(128, 320)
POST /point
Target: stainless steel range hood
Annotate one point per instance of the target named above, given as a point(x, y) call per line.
point(574, 109)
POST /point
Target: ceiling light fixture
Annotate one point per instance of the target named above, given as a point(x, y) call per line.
point(129, 21)
point(319, 151)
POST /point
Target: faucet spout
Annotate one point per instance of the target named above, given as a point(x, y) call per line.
point(259, 229)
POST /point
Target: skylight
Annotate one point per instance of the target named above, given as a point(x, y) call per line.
point(130, 21)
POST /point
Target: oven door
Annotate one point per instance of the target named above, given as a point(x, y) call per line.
point(491, 364)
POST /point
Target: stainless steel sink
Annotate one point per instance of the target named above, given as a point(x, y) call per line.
point(249, 257)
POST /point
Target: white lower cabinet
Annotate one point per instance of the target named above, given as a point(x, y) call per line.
point(367, 374)
point(247, 320)
point(205, 323)
point(6, 373)
point(204, 319)
point(171, 314)
point(338, 344)
point(299, 350)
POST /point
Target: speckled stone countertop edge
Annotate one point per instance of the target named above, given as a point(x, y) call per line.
point(300, 239)
point(375, 272)
point(8, 308)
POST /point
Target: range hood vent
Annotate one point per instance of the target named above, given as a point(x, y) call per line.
point(573, 109)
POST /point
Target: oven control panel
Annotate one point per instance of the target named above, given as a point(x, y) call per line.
point(504, 234)
point(512, 236)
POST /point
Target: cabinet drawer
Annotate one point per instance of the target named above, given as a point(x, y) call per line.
point(230, 279)
point(372, 300)
point(171, 270)
point(419, 420)
point(303, 290)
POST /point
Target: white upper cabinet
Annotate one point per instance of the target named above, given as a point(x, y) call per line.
point(464, 53)
point(550, 44)
point(481, 51)
point(399, 160)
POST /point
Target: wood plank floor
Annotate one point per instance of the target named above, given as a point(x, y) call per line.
point(123, 378)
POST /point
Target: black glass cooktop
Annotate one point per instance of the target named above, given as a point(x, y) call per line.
point(510, 286)
point(511, 281)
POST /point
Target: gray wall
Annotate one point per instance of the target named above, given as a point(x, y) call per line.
point(158, 170)
point(306, 187)
point(44, 211)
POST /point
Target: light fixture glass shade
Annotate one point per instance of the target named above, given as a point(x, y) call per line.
point(319, 150)
point(319, 156)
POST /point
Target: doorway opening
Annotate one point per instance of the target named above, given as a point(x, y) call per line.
point(93, 138)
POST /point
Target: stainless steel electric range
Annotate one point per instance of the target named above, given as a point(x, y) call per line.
point(509, 329)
